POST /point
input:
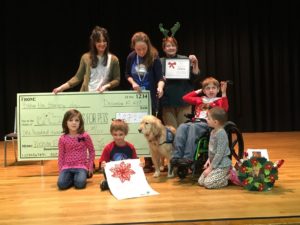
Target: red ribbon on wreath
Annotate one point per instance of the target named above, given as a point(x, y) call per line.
point(258, 174)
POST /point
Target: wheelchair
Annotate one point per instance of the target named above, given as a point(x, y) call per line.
point(236, 146)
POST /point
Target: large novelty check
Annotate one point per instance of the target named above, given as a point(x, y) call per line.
point(40, 115)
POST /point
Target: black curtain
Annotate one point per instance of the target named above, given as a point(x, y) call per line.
point(253, 43)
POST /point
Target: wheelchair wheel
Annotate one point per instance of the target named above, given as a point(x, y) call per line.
point(236, 142)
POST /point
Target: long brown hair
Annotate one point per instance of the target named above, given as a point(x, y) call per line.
point(152, 52)
point(69, 115)
point(96, 35)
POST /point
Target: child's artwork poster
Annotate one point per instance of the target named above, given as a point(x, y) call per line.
point(126, 179)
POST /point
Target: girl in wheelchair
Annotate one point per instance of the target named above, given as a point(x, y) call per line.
point(216, 168)
point(187, 133)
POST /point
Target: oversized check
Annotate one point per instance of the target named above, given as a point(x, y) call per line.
point(40, 115)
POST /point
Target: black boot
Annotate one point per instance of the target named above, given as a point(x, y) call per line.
point(104, 185)
point(148, 165)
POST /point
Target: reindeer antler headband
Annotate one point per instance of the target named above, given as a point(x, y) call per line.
point(165, 32)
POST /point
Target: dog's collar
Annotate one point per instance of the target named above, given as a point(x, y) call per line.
point(169, 137)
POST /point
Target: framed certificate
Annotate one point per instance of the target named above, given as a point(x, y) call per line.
point(177, 68)
point(258, 153)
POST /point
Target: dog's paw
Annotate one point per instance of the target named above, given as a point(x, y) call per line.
point(170, 175)
point(161, 168)
point(156, 174)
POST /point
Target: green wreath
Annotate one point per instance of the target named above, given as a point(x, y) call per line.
point(258, 174)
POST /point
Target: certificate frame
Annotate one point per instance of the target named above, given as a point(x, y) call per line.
point(257, 153)
point(177, 68)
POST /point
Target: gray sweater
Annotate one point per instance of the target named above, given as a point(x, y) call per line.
point(218, 149)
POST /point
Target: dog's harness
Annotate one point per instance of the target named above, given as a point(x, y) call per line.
point(169, 137)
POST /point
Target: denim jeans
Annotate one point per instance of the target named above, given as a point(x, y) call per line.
point(73, 176)
point(185, 139)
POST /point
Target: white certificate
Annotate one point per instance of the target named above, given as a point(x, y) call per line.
point(177, 68)
point(258, 153)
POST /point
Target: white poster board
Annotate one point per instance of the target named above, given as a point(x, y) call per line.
point(126, 179)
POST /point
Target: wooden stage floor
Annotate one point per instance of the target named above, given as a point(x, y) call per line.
point(28, 195)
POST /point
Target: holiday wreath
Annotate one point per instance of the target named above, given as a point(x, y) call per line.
point(258, 174)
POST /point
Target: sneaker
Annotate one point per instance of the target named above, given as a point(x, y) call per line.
point(174, 161)
point(104, 185)
point(163, 168)
point(184, 161)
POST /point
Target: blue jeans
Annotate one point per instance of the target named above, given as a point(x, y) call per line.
point(185, 139)
point(74, 176)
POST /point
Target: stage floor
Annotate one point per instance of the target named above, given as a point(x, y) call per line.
point(28, 195)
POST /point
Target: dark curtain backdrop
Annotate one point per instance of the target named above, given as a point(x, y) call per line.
point(253, 43)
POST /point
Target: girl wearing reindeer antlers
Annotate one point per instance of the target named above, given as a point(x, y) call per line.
point(173, 107)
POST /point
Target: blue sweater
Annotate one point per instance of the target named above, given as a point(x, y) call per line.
point(150, 79)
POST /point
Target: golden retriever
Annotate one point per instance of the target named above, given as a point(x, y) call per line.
point(157, 136)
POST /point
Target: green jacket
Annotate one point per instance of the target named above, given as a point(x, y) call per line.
point(84, 73)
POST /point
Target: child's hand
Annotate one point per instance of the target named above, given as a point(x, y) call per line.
point(103, 164)
point(142, 164)
point(160, 92)
point(223, 88)
point(207, 171)
point(207, 164)
point(90, 174)
point(199, 91)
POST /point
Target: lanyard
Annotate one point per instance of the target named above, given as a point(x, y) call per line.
point(141, 70)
